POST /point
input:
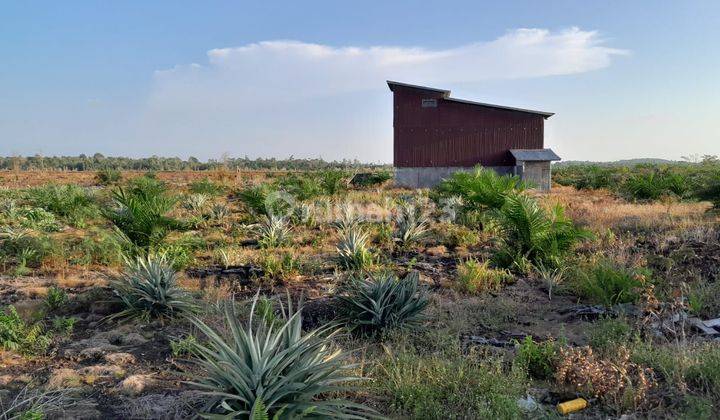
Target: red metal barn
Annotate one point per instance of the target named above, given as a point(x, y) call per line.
point(436, 135)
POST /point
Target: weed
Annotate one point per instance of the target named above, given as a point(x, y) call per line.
point(449, 385)
point(607, 334)
point(183, 346)
point(70, 202)
point(56, 298)
point(206, 187)
point(608, 283)
point(475, 277)
point(537, 358)
point(108, 176)
point(17, 335)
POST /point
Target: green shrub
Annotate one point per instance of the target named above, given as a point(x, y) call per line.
point(537, 358)
point(605, 335)
point(353, 252)
point(141, 213)
point(279, 267)
point(654, 184)
point(693, 367)
point(380, 303)
point(449, 385)
point(17, 335)
point(63, 325)
point(263, 199)
point(108, 176)
point(709, 189)
point(72, 203)
point(206, 187)
point(475, 277)
point(609, 284)
point(148, 290)
point(260, 371)
point(38, 219)
point(56, 298)
point(458, 235)
point(333, 181)
point(370, 179)
point(481, 189)
point(183, 346)
point(25, 249)
point(529, 231)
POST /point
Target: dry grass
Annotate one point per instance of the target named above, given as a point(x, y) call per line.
point(600, 210)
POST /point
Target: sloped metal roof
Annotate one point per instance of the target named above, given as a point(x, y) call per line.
point(534, 155)
point(446, 95)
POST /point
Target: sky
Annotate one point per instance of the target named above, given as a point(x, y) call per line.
point(625, 79)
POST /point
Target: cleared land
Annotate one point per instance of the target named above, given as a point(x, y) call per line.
point(517, 307)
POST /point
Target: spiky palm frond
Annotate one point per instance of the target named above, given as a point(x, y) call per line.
point(273, 370)
point(528, 230)
point(141, 213)
point(377, 304)
point(481, 189)
point(148, 289)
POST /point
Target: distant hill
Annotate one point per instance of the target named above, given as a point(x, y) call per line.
point(624, 162)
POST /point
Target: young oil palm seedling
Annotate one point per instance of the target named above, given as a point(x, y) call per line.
point(141, 213)
point(353, 252)
point(379, 303)
point(265, 370)
point(148, 290)
point(411, 223)
point(274, 231)
point(531, 232)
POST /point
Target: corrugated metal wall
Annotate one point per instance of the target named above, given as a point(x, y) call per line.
point(458, 134)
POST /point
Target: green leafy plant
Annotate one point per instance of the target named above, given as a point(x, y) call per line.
point(264, 371)
point(449, 385)
point(56, 298)
point(480, 189)
point(274, 231)
point(353, 252)
point(206, 187)
point(63, 325)
point(478, 277)
point(108, 176)
point(183, 346)
point(18, 335)
point(379, 303)
point(530, 231)
point(70, 202)
point(141, 213)
point(608, 283)
point(537, 358)
point(148, 290)
point(411, 223)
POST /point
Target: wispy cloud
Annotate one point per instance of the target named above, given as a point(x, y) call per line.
point(290, 97)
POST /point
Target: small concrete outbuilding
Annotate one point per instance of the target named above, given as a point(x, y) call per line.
point(435, 135)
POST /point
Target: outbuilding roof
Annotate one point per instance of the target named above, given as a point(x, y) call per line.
point(534, 155)
point(446, 95)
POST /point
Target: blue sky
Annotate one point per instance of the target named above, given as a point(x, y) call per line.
point(625, 79)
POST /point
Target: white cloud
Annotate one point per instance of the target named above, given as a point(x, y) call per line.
point(277, 98)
